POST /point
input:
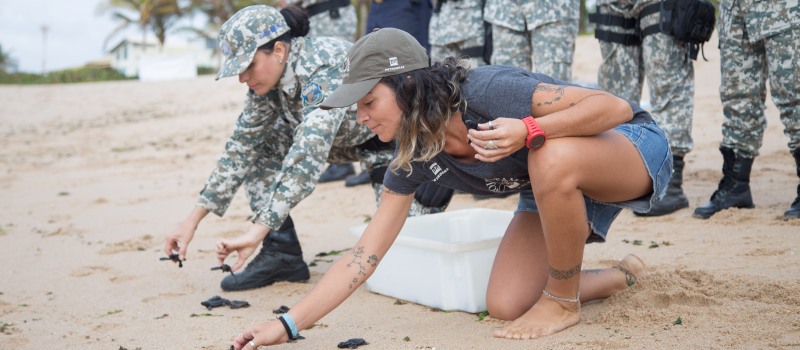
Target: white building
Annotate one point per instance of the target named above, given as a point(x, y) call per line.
point(133, 56)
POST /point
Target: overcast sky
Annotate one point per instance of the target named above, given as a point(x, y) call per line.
point(75, 35)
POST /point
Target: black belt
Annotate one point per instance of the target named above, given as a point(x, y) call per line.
point(332, 6)
point(610, 20)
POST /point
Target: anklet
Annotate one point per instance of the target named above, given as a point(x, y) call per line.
point(564, 300)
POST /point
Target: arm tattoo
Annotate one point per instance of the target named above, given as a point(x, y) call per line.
point(564, 274)
point(558, 92)
point(358, 260)
point(387, 190)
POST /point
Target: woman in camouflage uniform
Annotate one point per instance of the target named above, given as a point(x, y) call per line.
point(281, 140)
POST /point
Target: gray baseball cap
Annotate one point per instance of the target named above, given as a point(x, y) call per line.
point(242, 34)
point(382, 53)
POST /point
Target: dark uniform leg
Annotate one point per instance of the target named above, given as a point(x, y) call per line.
point(794, 208)
point(675, 199)
point(734, 189)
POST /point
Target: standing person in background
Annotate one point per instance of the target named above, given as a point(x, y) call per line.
point(281, 141)
point(457, 30)
point(628, 59)
point(336, 18)
point(759, 41)
point(536, 35)
point(410, 16)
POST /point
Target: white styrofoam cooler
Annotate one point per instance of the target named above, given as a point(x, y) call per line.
point(442, 260)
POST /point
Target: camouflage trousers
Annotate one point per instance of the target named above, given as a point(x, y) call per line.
point(546, 49)
point(439, 52)
point(343, 27)
point(670, 78)
point(745, 68)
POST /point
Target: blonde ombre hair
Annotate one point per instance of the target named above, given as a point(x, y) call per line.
point(427, 97)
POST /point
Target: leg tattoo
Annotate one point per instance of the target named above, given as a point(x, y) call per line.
point(564, 274)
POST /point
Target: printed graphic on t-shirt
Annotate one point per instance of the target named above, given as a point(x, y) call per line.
point(500, 185)
point(437, 171)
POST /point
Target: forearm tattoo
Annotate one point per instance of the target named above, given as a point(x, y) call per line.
point(564, 274)
point(557, 93)
point(358, 260)
point(387, 190)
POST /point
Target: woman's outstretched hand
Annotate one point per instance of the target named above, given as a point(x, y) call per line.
point(243, 245)
point(264, 334)
point(498, 138)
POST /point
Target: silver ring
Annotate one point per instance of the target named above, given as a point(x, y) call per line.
point(252, 345)
point(490, 145)
point(491, 125)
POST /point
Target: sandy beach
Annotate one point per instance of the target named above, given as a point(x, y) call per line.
point(95, 175)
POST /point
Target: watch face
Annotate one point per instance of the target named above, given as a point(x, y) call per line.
point(536, 142)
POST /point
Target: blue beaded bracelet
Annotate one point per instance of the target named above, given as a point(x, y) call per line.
point(288, 323)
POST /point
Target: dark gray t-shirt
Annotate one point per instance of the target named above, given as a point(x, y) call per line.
point(490, 92)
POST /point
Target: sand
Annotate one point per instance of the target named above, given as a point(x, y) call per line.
point(95, 175)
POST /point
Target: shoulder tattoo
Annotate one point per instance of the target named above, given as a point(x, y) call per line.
point(555, 93)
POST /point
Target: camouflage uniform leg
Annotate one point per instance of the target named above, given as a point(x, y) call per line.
point(743, 85)
point(553, 46)
point(783, 55)
point(622, 70)
point(510, 47)
point(670, 79)
point(343, 27)
point(454, 50)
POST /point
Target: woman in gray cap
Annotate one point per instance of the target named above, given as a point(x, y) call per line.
point(584, 154)
point(281, 141)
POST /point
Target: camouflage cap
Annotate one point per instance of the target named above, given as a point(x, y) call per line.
point(382, 53)
point(242, 34)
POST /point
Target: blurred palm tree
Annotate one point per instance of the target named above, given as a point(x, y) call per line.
point(7, 63)
point(157, 16)
point(215, 12)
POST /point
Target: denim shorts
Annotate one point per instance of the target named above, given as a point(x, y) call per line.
point(653, 147)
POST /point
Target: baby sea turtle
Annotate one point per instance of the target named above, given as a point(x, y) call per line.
point(173, 257)
point(352, 343)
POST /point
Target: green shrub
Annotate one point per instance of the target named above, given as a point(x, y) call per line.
point(73, 75)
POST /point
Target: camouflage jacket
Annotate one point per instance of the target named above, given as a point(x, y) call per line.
point(313, 70)
point(527, 15)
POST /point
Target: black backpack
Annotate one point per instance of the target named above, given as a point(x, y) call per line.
point(691, 21)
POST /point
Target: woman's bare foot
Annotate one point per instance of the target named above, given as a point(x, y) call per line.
point(633, 267)
point(546, 317)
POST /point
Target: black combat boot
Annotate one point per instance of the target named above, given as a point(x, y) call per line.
point(280, 259)
point(734, 189)
point(794, 209)
point(336, 172)
point(674, 199)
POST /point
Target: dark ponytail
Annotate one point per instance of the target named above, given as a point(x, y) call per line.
point(299, 25)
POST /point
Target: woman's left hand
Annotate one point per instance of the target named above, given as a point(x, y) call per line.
point(498, 138)
point(244, 245)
